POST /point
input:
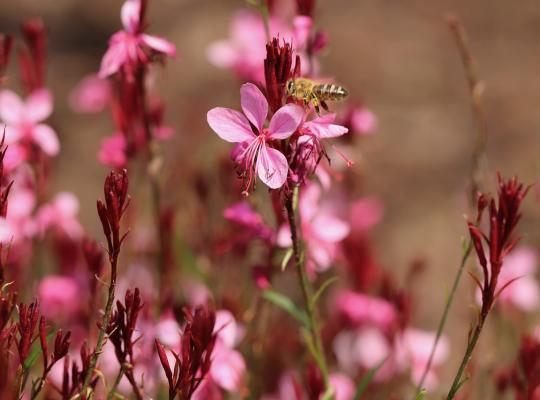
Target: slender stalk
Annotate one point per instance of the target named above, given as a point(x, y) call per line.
point(112, 392)
point(152, 170)
point(307, 290)
point(104, 323)
point(456, 385)
point(478, 162)
point(444, 317)
point(476, 89)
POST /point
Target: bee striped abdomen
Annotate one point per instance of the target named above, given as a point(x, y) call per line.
point(329, 91)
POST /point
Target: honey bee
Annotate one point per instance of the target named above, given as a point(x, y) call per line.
point(316, 93)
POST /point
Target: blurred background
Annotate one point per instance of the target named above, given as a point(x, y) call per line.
point(398, 57)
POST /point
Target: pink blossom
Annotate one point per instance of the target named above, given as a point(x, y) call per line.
point(91, 95)
point(61, 214)
point(233, 126)
point(364, 309)
point(302, 26)
point(113, 151)
point(127, 47)
point(245, 50)
point(520, 267)
point(365, 213)
point(363, 121)
point(413, 348)
point(228, 368)
point(245, 216)
point(321, 229)
point(19, 223)
point(60, 297)
point(23, 119)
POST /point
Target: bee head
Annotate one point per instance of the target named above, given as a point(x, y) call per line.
point(291, 87)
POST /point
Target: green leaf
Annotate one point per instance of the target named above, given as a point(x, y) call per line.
point(35, 351)
point(366, 379)
point(421, 394)
point(286, 258)
point(322, 289)
point(286, 304)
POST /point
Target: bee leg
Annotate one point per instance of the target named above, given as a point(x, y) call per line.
point(324, 105)
point(315, 102)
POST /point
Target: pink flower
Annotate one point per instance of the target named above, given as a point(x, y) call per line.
point(22, 119)
point(91, 95)
point(365, 213)
point(321, 229)
point(413, 349)
point(113, 151)
point(245, 51)
point(61, 214)
point(60, 297)
point(363, 309)
point(18, 224)
point(233, 126)
point(520, 267)
point(246, 217)
point(362, 120)
point(127, 47)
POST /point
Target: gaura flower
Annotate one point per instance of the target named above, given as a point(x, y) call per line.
point(244, 51)
point(257, 153)
point(23, 119)
point(61, 213)
point(321, 229)
point(129, 46)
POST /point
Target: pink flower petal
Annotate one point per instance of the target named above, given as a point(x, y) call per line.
point(309, 202)
point(130, 15)
point(323, 127)
point(285, 121)
point(365, 213)
point(230, 125)
point(39, 105)
point(228, 368)
point(272, 167)
point(330, 229)
point(46, 138)
point(222, 54)
point(254, 105)
point(11, 107)
point(159, 44)
point(344, 387)
point(115, 56)
point(113, 151)
point(226, 328)
point(363, 121)
point(13, 133)
point(302, 26)
point(91, 95)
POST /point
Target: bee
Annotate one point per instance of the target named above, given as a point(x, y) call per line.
point(309, 91)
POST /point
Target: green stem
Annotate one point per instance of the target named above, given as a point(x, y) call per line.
point(444, 317)
point(307, 290)
point(456, 385)
point(112, 392)
point(264, 15)
point(104, 324)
